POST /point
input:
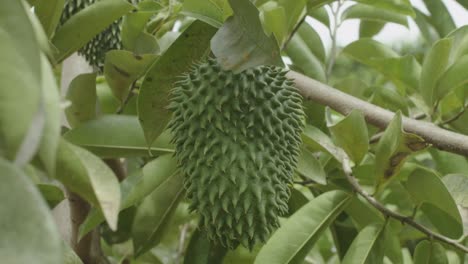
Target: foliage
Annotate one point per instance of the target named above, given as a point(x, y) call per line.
point(417, 210)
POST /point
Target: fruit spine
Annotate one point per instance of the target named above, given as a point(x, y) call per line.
point(237, 139)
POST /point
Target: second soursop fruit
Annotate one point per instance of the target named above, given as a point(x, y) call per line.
point(109, 39)
point(237, 139)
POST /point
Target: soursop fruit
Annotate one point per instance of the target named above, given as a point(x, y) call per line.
point(109, 39)
point(237, 139)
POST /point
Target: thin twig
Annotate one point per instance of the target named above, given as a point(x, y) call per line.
point(129, 96)
point(344, 103)
point(389, 213)
point(182, 239)
point(453, 119)
point(296, 28)
point(333, 35)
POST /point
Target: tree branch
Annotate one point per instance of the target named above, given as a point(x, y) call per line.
point(389, 213)
point(345, 103)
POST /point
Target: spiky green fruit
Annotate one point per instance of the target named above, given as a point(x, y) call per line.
point(94, 51)
point(237, 138)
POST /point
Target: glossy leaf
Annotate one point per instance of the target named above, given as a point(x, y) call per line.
point(428, 189)
point(400, 6)
point(20, 67)
point(294, 11)
point(426, 29)
point(136, 187)
point(128, 142)
point(367, 12)
point(356, 144)
point(153, 99)
point(274, 21)
point(370, 28)
point(154, 212)
point(363, 214)
point(26, 221)
point(367, 247)
point(440, 17)
point(401, 70)
point(82, 95)
point(313, 41)
point(213, 12)
point(449, 163)
point(89, 177)
point(241, 42)
point(134, 36)
point(51, 193)
point(48, 12)
point(304, 58)
point(303, 229)
point(50, 138)
point(122, 68)
point(457, 184)
point(454, 77)
point(311, 168)
point(320, 14)
point(315, 139)
point(117, 136)
point(393, 148)
point(430, 253)
point(86, 24)
point(435, 63)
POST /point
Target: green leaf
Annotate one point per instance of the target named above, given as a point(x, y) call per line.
point(89, 177)
point(153, 99)
point(48, 12)
point(457, 184)
point(403, 7)
point(201, 250)
point(303, 57)
point(134, 36)
point(50, 138)
point(463, 3)
point(136, 187)
point(51, 193)
point(455, 76)
point(367, 247)
point(69, 256)
point(122, 68)
point(82, 95)
point(426, 29)
point(274, 21)
point(318, 3)
point(113, 136)
point(389, 98)
point(428, 189)
point(429, 253)
point(294, 11)
point(367, 12)
point(29, 233)
point(86, 24)
point(448, 163)
point(296, 201)
point(356, 143)
point(440, 17)
point(241, 42)
point(370, 28)
point(404, 71)
point(303, 229)
point(363, 214)
point(435, 63)
point(311, 168)
point(393, 148)
point(213, 12)
point(315, 139)
point(20, 77)
point(320, 14)
point(153, 214)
